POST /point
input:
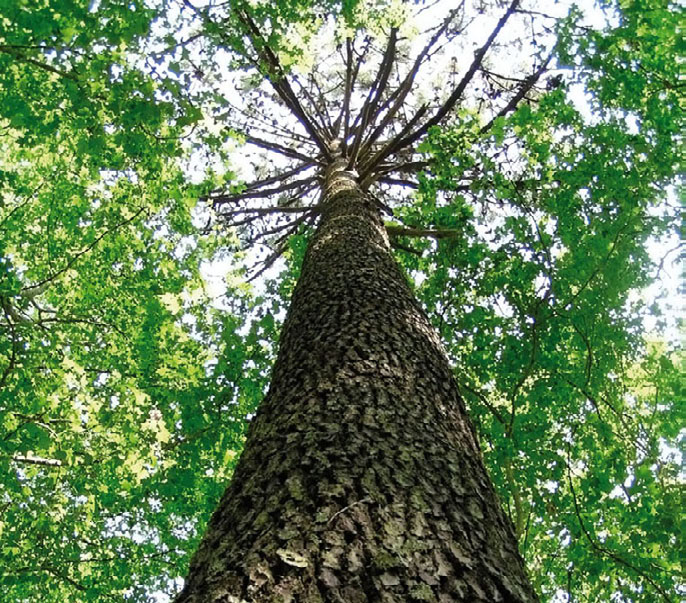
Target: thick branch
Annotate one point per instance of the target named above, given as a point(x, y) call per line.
point(45, 66)
point(371, 102)
point(15, 346)
point(400, 247)
point(485, 401)
point(36, 460)
point(280, 83)
point(404, 231)
point(406, 85)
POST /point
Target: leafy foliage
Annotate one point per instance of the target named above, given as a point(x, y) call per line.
point(122, 388)
point(537, 301)
point(125, 387)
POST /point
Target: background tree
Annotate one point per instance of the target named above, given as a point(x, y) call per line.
point(537, 221)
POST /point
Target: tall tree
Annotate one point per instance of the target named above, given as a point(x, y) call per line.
point(321, 510)
point(362, 477)
point(521, 214)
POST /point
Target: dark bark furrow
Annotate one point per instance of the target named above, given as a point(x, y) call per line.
point(361, 478)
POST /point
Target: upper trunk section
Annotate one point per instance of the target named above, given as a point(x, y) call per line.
point(361, 478)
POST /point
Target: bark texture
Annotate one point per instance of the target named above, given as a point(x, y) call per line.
point(361, 479)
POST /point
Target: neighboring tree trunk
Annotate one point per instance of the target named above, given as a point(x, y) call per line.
point(361, 479)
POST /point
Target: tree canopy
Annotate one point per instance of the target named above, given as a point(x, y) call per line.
point(523, 161)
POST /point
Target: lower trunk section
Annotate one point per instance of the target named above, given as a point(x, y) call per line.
point(361, 478)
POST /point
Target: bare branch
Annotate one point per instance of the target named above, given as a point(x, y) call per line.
point(281, 248)
point(400, 143)
point(344, 115)
point(261, 194)
point(261, 211)
point(278, 177)
point(321, 116)
point(323, 94)
point(406, 85)
point(371, 102)
point(280, 82)
point(279, 228)
point(348, 128)
point(527, 85)
point(404, 167)
point(273, 146)
point(368, 167)
point(399, 182)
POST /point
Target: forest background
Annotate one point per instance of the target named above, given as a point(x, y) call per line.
point(129, 138)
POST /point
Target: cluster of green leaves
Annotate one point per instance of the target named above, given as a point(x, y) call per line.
point(538, 300)
point(123, 390)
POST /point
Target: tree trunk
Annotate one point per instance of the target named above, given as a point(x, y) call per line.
point(361, 479)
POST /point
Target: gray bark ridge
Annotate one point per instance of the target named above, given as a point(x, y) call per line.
point(361, 479)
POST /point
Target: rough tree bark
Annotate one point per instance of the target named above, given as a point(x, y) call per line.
point(361, 479)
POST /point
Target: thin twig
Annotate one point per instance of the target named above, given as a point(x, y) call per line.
point(366, 499)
